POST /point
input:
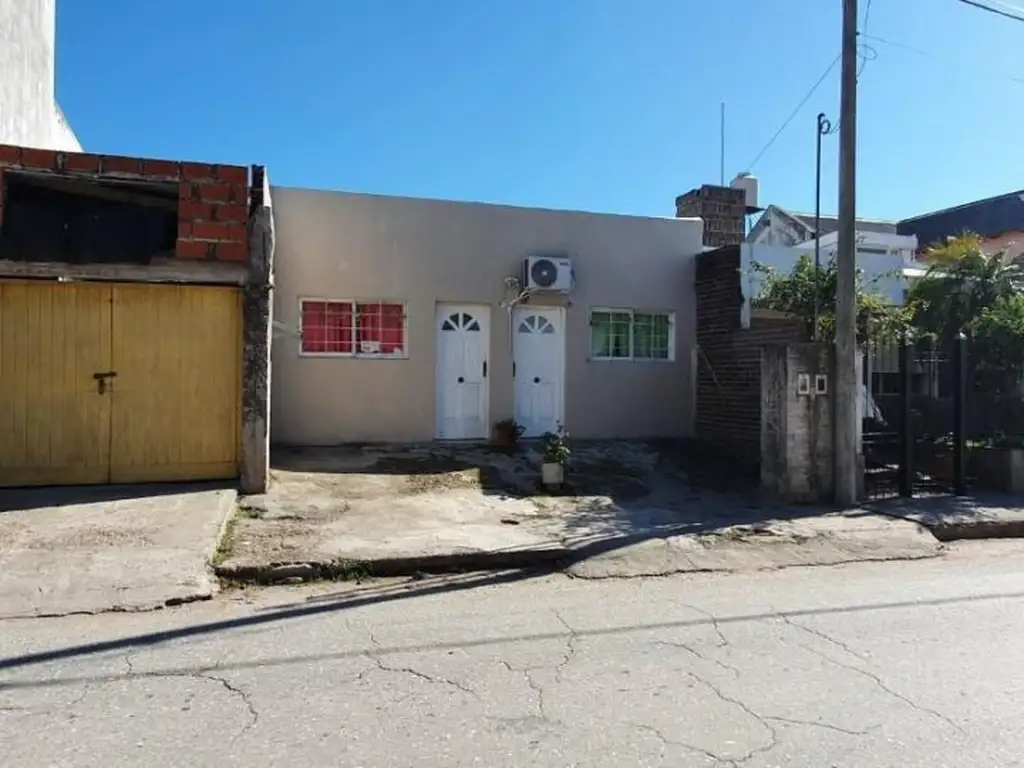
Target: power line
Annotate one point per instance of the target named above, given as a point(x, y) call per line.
point(865, 52)
point(997, 11)
point(960, 63)
point(795, 112)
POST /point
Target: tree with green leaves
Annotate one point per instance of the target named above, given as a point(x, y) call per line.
point(794, 294)
point(965, 290)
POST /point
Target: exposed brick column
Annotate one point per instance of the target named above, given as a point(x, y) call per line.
point(212, 213)
point(722, 209)
point(729, 357)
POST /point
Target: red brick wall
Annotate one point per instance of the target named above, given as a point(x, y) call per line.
point(729, 357)
point(212, 199)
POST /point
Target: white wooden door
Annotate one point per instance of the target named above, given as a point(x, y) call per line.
point(538, 355)
point(462, 391)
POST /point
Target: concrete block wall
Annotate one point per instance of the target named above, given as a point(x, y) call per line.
point(729, 357)
point(797, 446)
point(213, 200)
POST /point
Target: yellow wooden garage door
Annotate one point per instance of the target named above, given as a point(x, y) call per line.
point(54, 427)
point(118, 383)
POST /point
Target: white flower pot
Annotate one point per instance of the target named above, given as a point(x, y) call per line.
point(552, 474)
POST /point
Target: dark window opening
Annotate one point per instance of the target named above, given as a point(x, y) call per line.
point(87, 221)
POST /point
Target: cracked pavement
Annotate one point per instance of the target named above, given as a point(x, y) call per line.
point(882, 664)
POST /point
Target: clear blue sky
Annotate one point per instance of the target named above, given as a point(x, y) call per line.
point(606, 105)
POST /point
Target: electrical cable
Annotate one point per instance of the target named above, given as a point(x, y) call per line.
point(793, 114)
point(865, 52)
point(868, 53)
point(941, 57)
point(998, 11)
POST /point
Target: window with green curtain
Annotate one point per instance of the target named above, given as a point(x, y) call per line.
point(652, 333)
point(610, 335)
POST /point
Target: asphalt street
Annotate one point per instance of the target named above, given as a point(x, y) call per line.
point(870, 664)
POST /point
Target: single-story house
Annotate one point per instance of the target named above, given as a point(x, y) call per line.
point(402, 320)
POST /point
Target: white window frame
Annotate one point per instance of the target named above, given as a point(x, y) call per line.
point(355, 303)
point(632, 341)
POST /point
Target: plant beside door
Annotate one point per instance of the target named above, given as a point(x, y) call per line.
point(507, 433)
point(555, 460)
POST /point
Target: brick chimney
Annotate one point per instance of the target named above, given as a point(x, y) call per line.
point(721, 208)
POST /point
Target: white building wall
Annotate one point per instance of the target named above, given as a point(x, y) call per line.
point(886, 262)
point(900, 250)
point(29, 115)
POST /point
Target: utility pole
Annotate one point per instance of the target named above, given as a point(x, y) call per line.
point(847, 386)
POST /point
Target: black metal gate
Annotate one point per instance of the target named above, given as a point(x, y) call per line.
point(914, 433)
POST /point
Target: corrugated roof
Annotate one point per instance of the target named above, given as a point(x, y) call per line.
point(989, 218)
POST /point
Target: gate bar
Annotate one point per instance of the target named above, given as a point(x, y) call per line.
point(906, 476)
point(960, 416)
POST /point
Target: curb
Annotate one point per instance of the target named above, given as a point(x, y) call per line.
point(977, 529)
point(229, 508)
point(551, 558)
point(958, 530)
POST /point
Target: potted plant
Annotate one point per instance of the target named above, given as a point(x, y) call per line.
point(556, 457)
point(507, 432)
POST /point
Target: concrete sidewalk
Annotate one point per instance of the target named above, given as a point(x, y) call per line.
point(949, 518)
point(630, 512)
point(108, 548)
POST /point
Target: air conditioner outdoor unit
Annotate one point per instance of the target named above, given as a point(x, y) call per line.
point(548, 273)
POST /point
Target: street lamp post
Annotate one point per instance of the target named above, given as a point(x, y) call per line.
point(824, 128)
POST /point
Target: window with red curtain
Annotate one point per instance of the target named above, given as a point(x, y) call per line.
point(327, 327)
point(380, 328)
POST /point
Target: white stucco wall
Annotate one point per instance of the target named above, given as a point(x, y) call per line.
point(63, 137)
point(29, 116)
point(902, 248)
point(422, 252)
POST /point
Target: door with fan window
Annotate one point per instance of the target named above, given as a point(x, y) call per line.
point(539, 370)
point(463, 338)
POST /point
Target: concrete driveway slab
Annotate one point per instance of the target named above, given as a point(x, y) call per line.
point(87, 550)
point(630, 509)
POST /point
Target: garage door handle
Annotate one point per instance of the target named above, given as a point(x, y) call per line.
point(101, 380)
point(461, 379)
point(536, 379)
point(485, 369)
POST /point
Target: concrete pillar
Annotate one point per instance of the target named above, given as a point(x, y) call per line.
point(257, 302)
point(797, 422)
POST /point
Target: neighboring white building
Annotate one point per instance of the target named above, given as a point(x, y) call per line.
point(887, 262)
point(887, 259)
point(777, 226)
point(29, 115)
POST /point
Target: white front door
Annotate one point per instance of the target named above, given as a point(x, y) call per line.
point(538, 353)
point(462, 345)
